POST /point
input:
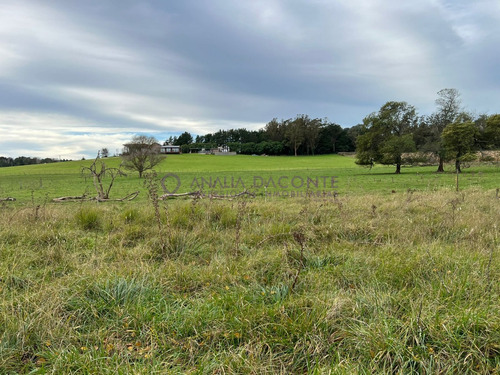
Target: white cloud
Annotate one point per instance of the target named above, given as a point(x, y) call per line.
point(54, 135)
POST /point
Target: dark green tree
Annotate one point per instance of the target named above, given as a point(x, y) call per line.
point(275, 130)
point(311, 134)
point(387, 135)
point(329, 137)
point(459, 140)
point(354, 132)
point(295, 132)
point(184, 139)
point(492, 131)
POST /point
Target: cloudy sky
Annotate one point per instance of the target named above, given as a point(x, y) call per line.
point(76, 76)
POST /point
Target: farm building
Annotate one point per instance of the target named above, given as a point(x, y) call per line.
point(222, 150)
point(134, 147)
point(170, 149)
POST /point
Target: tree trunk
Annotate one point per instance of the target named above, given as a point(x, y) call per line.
point(457, 166)
point(441, 165)
point(398, 169)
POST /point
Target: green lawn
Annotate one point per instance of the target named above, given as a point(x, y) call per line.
point(44, 182)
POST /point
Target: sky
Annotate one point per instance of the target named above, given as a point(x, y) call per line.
point(77, 76)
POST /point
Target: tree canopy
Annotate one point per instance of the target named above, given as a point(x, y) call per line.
point(387, 135)
point(459, 140)
point(142, 153)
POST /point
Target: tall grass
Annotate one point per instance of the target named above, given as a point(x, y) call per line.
point(400, 283)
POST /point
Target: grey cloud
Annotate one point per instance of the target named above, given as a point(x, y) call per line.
point(168, 66)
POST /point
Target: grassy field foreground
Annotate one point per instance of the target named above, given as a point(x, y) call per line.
point(400, 283)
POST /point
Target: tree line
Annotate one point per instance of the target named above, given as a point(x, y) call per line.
point(25, 160)
point(395, 135)
point(301, 135)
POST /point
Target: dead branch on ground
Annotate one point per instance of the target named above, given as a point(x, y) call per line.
point(201, 195)
point(128, 197)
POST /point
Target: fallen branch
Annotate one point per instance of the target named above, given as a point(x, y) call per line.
point(8, 199)
point(125, 198)
point(84, 197)
point(199, 195)
point(70, 199)
point(194, 194)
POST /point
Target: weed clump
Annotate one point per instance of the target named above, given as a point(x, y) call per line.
point(131, 215)
point(89, 218)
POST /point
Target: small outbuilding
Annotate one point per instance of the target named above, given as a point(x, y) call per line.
point(170, 149)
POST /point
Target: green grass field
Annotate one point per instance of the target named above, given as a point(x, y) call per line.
point(365, 282)
point(44, 182)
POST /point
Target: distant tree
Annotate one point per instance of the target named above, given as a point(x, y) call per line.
point(423, 134)
point(459, 141)
point(220, 137)
point(184, 139)
point(311, 134)
point(207, 138)
point(269, 148)
point(243, 135)
point(329, 137)
point(248, 148)
point(26, 160)
point(295, 132)
point(6, 161)
point(104, 152)
point(387, 135)
point(344, 142)
point(141, 154)
point(354, 132)
point(275, 130)
point(492, 131)
point(448, 109)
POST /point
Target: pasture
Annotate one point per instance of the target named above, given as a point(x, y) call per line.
point(44, 182)
point(368, 281)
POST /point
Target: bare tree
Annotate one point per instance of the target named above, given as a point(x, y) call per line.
point(142, 154)
point(98, 170)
